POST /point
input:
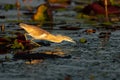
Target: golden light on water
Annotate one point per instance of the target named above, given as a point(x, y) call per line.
point(34, 61)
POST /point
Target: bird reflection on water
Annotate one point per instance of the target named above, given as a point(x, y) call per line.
point(40, 34)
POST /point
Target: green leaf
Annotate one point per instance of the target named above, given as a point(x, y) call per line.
point(17, 45)
point(21, 46)
point(83, 40)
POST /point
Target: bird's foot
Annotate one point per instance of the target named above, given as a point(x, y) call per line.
point(35, 43)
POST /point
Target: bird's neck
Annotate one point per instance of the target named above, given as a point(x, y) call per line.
point(56, 39)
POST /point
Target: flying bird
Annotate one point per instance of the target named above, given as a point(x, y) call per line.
point(41, 34)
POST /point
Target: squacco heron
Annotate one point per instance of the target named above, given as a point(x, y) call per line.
point(40, 34)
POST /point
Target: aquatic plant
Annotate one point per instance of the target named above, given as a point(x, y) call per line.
point(8, 6)
point(17, 45)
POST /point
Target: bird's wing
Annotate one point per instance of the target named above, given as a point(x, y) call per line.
point(42, 36)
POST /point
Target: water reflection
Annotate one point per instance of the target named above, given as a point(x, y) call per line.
point(38, 57)
point(104, 38)
point(33, 61)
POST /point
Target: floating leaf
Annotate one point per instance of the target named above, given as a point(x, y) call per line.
point(83, 40)
point(80, 15)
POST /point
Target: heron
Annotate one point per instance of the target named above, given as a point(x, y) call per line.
point(40, 34)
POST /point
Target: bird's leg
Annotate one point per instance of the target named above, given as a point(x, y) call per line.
point(25, 36)
point(35, 42)
point(31, 39)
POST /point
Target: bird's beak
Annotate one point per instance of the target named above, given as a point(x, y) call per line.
point(72, 41)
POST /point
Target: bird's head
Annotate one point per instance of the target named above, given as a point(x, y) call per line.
point(65, 38)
